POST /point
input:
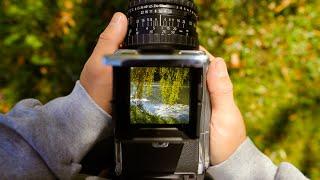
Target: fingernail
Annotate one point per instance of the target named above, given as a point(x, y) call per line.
point(221, 68)
point(116, 19)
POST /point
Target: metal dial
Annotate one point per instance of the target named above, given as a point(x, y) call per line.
point(162, 25)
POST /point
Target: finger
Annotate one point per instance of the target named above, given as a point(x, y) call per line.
point(111, 38)
point(219, 85)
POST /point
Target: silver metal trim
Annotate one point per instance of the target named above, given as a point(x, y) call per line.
point(160, 144)
point(118, 157)
point(195, 57)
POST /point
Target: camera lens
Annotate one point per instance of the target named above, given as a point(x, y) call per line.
point(162, 25)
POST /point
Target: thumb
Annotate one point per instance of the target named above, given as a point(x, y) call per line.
point(95, 77)
point(219, 85)
point(111, 38)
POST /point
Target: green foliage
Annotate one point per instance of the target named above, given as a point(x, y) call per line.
point(140, 116)
point(142, 78)
point(44, 45)
point(272, 49)
point(171, 82)
point(271, 46)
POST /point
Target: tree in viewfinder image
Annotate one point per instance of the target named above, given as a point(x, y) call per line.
point(159, 95)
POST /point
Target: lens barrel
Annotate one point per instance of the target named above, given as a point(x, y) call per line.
point(162, 25)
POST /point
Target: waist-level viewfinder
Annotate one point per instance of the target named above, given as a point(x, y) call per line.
point(160, 114)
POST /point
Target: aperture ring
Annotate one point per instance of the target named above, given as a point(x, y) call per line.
point(162, 9)
point(185, 3)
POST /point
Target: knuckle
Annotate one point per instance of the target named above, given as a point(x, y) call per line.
point(105, 36)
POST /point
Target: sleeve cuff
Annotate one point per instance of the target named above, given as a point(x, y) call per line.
point(91, 118)
point(80, 89)
point(247, 162)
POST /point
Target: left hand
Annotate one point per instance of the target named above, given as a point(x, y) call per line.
point(96, 77)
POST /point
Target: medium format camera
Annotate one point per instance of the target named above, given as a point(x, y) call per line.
point(160, 104)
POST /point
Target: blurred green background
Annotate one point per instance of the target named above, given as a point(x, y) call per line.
point(272, 49)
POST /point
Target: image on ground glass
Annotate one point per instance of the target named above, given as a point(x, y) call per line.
point(159, 95)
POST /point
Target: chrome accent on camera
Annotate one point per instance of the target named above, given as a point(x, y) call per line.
point(188, 57)
point(160, 144)
point(118, 157)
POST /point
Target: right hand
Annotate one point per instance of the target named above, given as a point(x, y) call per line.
point(227, 128)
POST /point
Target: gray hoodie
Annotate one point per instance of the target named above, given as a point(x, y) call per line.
point(48, 142)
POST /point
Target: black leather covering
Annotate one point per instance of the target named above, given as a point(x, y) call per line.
point(143, 158)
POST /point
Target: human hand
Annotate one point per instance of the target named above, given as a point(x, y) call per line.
point(227, 128)
point(95, 77)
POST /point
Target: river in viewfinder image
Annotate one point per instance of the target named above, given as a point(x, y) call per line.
point(159, 95)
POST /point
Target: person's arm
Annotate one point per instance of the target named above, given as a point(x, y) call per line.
point(47, 141)
point(232, 154)
point(247, 162)
point(60, 132)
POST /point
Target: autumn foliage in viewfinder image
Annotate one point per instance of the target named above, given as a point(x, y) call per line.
point(159, 95)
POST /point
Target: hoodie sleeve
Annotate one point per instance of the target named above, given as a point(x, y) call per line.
point(60, 132)
point(248, 163)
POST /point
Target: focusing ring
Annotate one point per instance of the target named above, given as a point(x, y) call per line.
point(162, 25)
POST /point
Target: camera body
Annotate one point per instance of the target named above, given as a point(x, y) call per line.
point(156, 137)
point(161, 107)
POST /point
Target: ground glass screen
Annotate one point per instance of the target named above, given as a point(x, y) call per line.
point(159, 95)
